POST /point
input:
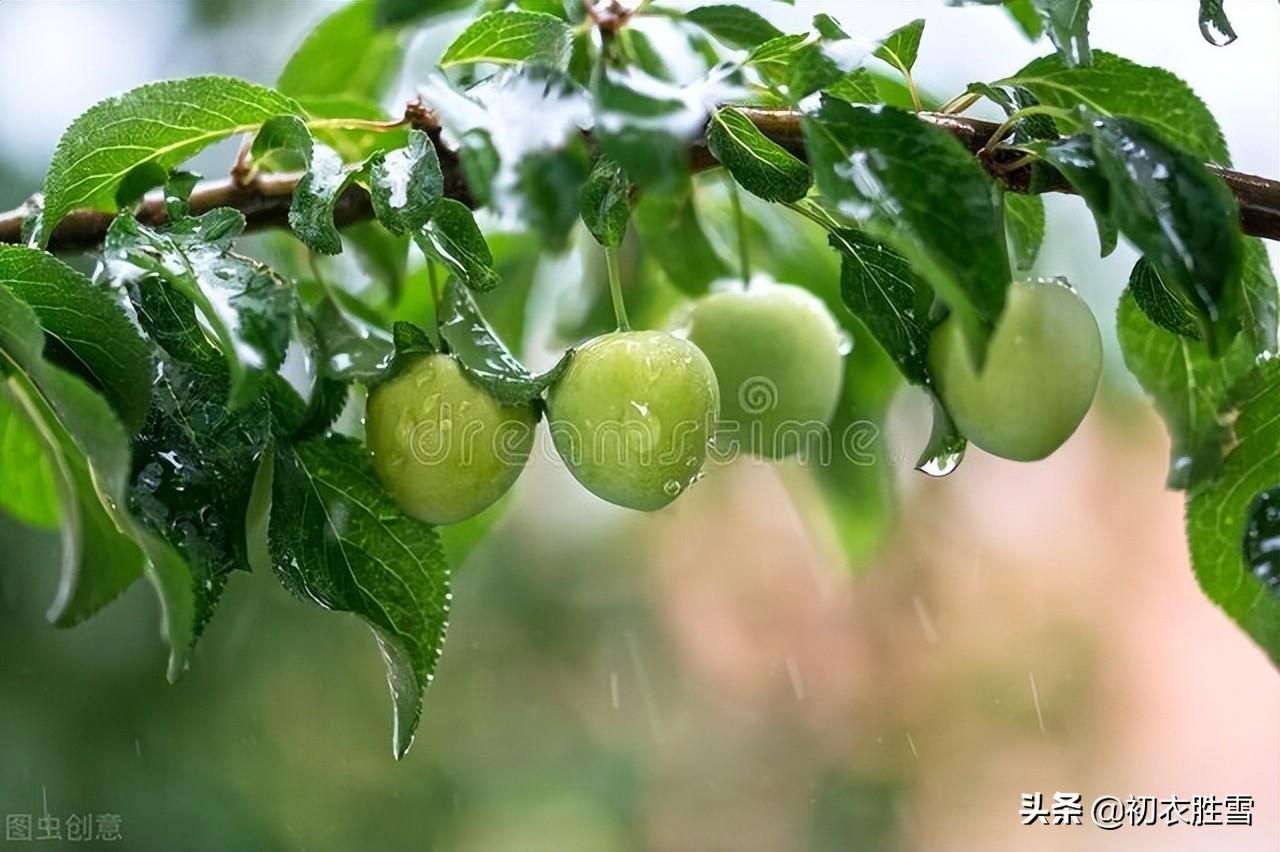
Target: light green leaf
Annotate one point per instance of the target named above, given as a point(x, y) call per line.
point(1220, 512)
point(346, 54)
point(1188, 386)
point(1024, 223)
point(337, 540)
point(158, 125)
point(762, 166)
point(96, 340)
point(511, 36)
point(901, 47)
point(734, 26)
point(28, 490)
point(1116, 86)
point(454, 239)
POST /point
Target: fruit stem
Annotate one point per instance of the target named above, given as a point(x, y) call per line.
point(613, 264)
point(433, 279)
point(740, 220)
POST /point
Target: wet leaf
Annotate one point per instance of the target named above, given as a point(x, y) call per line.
point(337, 540)
point(406, 184)
point(868, 161)
point(510, 36)
point(760, 165)
point(454, 238)
point(1024, 223)
point(605, 202)
point(1214, 25)
point(88, 333)
point(734, 26)
point(316, 195)
point(880, 289)
point(160, 123)
point(1073, 157)
point(1222, 513)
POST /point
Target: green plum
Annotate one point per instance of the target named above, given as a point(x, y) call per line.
point(632, 415)
point(442, 446)
point(776, 350)
point(1039, 379)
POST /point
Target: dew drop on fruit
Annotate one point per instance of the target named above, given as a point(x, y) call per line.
point(1262, 539)
point(844, 342)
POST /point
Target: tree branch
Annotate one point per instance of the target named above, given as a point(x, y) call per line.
point(265, 200)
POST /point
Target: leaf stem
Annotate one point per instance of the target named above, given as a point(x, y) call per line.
point(1019, 115)
point(740, 222)
point(911, 88)
point(613, 264)
point(959, 103)
point(357, 124)
point(433, 278)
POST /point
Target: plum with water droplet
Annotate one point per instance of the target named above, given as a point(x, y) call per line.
point(630, 412)
point(1039, 379)
point(443, 447)
point(776, 350)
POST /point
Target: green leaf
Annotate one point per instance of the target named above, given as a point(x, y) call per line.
point(1163, 305)
point(483, 355)
point(869, 162)
point(346, 54)
point(1024, 223)
point(643, 125)
point(673, 234)
point(28, 490)
point(406, 184)
point(856, 87)
point(1025, 15)
point(454, 238)
point(353, 143)
point(393, 12)
point(605, 203)
point(734, 26)
point(1261, 309)
point(1221, 511)
point(1179, 215)
point(89, 451)
point(511, 36)
point(1214, 25)
point(88, 332)
point(248, 308)
point(1116, 86)
point(760, 165)
point(1074, 158)
point(479, 159)
point(337, 540)
point(1068, 24)
point(347, 347)
point(284, 134)
point(773, 57)
point(901, 47)
point(160, 124)
point(549, 183)
point(823, 64)
point(878, 286)
point(316, 196)
point(1189, 388)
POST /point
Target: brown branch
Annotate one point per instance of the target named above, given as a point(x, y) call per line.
point(264, 201)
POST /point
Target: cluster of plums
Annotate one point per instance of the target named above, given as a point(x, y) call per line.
point(634, 413)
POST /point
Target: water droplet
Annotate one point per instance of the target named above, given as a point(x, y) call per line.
point(943, 464)
point(844, 342)
point(1262, 539)
point(1214, 34)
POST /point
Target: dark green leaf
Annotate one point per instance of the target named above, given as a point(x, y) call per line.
point(605, 202)
point(346, 54)
point(1214, 25)
point(348, 348)
point(248, 308)
point(734, 26)
point(28, 489)
point(1024, 223)
point(337, 540)
point(1188, 386)
point(479, 159)
point(549, 183)
point(1164, 306)
point(484, 357)
point(856, 87)
point(162, 123)
point(1074, 158)
point(454, 238)
point(406, 184)
point(1116, 86)
point(673, 234)
point(1261, 299)
point(391, 12)
point(759, 164)
point(1068, 24)
point(1221, 511)
point(823, 64)
point(1179, 215)
point(869, 161)
point(316, 196)
point(511, 36)
point(878, 286)
point(88, 332)
point(643, 125)
point(901, 47)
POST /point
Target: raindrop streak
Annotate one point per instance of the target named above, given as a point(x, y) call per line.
point(613, 690)
point(912, 743)
point(1262, 539)
point(1035, 699)
point(926, 622)
point(797, 682)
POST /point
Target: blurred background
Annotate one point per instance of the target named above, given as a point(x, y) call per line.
point(756, 667)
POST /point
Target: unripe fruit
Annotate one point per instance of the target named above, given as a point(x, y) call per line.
point(1039, 379)
point(442, 446)
point(776, 352)
point(632, 415)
